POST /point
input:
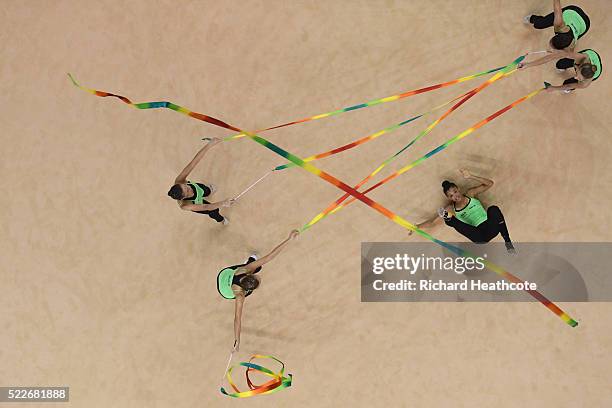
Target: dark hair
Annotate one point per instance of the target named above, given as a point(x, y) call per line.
point(447, 185)
point(248, 282)
point(588, 70)
point(562, 40)
point(176, 192)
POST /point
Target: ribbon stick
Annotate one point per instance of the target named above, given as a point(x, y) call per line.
point(229, 361)
point(277, 383)
point(253, 185)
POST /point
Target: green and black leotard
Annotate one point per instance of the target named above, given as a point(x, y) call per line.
point(574, 17)
point(231, 276)
point(199, 191)
point(594, 58)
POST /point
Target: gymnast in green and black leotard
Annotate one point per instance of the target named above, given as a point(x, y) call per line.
point(570, 24)
point(239, 281)
point(467, 215)
point(191, 196)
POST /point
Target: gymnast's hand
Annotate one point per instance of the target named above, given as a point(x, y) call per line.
point(236, 345)
point(522, 65)
point(228, 203)
point(213, 141)
point(294, 234)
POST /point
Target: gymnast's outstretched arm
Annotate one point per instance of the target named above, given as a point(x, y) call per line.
point(264, 260)
point(182, 177)
point(558, 11)
point(552, 55)
point(433, 221)
point(576, 56)
point(576, 85)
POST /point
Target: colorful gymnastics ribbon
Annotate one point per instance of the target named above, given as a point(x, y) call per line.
point(154, 105)
point(440, 148)
point(511, 68)
point(389, 129)
point(368, 138)
point(341, 185)
point(382, 100)
point(277, 383)
point(391, 98)
point(218, 122)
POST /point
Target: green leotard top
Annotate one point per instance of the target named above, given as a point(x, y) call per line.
point(199, 198)
point(595, 60)
point(575, 22)
point(473, 213)
point(224, 283)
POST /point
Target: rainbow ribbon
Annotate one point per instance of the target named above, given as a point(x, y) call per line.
point(389, 129)
point(391, 98)
point(441, 147)
point(368, 138)
point(154, 105)
point(511, 68)
point(218, 122)
point(277, 383)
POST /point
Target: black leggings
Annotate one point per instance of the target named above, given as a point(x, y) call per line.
point(214, 214)
point(486, 230)
point(542, 22)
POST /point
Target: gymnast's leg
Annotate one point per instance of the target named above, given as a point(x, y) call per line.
point(496, 224)
point(542, 22)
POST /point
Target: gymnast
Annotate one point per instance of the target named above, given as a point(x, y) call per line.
point(239, 281)
point(190, 195)
point(466, 214)
point(570, 23)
